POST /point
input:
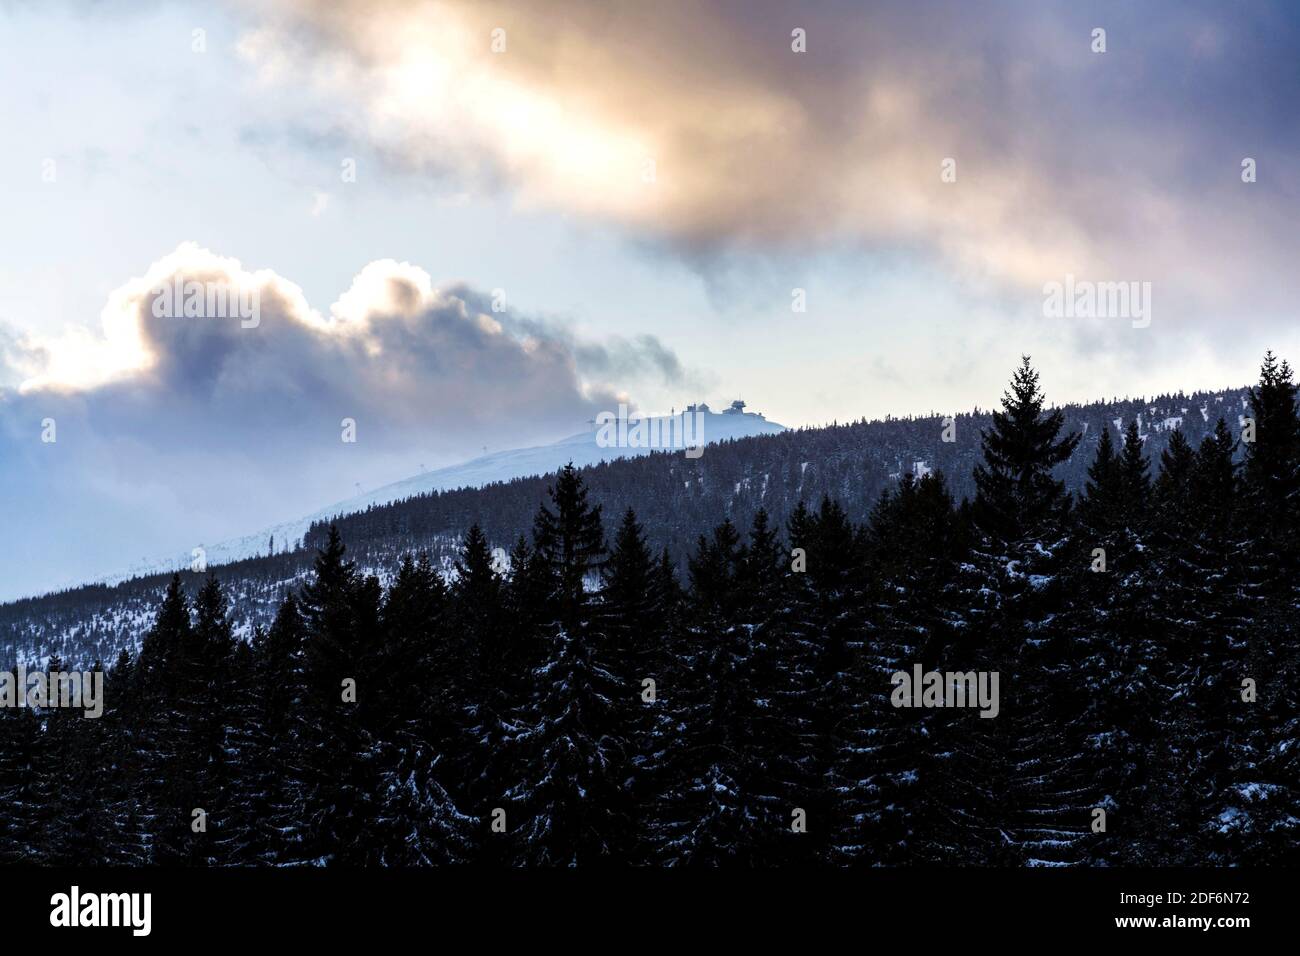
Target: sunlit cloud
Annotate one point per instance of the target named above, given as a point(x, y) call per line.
point(697, 126)
point(217, 422)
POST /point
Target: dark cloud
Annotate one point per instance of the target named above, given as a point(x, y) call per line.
point(221, 427)
point(621, 358)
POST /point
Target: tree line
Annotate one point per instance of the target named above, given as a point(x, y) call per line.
point(584, 703)
point(675, 497)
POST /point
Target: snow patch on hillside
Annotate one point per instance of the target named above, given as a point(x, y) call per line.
point(581, 449)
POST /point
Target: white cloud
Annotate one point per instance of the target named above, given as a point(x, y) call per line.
point(175, 429)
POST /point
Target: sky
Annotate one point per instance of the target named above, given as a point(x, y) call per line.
point(475, 225)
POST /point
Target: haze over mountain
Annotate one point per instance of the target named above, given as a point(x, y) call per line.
point(583, 449)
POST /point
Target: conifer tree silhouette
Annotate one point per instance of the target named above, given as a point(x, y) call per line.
point(382, 725)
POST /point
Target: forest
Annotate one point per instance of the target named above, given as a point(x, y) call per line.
point(675, 498)
point(595, 701)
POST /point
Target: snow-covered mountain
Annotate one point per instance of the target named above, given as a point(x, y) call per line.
point(605, 441)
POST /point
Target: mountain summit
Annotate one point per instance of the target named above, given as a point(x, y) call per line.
point(612, 435)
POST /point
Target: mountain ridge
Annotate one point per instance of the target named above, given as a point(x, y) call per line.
point(676, 497)
point(582, 449)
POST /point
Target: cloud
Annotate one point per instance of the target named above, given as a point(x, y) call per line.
point(698, 127)
point(195, 427)
point(620, 357)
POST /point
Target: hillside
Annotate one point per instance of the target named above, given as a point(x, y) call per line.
point(677, 498)
point(582, 449)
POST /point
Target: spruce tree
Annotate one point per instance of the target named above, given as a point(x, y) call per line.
point(278, 774)
point(1116, 692)
point(905, 773)
point(340, 779)
point(719, 808)
point(121, 760)
point(212, 696)
point(167, 673)
point(490, 681)
point(1261, 811)
point(1017, 496)
point(418, 821)
point(635, 615)
point(804, 663)
point(1198, 612)
point(574, 768)
point(1032, 803)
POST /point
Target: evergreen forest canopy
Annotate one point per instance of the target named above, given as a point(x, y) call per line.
point(589, 705)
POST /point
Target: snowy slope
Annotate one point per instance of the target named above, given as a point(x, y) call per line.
point(581, 449)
